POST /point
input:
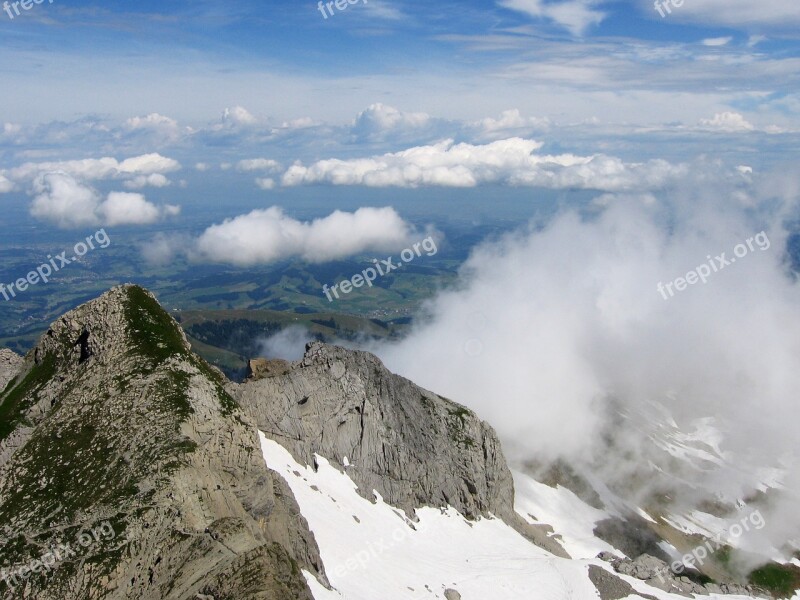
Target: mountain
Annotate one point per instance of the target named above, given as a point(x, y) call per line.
point(112, 420)
point(130, 468)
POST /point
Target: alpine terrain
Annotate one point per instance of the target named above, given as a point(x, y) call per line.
point(132, 469)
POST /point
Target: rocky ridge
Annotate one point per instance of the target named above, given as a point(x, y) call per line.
point(112, 419)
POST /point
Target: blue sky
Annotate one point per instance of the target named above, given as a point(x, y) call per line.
point(163, 101)
point(191, 59)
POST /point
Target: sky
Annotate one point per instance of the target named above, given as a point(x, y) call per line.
point(614, 64)
point(159, 101)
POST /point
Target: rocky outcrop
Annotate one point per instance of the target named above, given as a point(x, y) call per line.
point(261, 368)
point(658, 574)
point(409, 445)
point(611, 587)
point(10, 363)
point(112, 420)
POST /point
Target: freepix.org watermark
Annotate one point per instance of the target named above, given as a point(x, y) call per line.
point(361, 559)
point(339, 4)
point(699, 555)
point(663, 6)
point(23, 4)
point(50, 561)
point(714, 265)
point(44, 271)
point(381, 268)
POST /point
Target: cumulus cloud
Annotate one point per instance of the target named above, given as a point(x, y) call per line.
point(258, 164)
point(61, 199)
point(96, 169)
point(728, 122)
point(576, 16)
point(510, 162)
point(154, 127)
point(265, 236)
point(379, 122)
point(125, 208)
point(5, 184)
point(238, 116)
point(141, 181)
point(509, 122)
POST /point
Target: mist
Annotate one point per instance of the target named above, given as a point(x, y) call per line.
point(554, 332)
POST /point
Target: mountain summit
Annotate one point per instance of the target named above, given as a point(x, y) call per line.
point(112, 419)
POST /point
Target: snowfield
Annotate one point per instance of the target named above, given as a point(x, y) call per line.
point(372, 551)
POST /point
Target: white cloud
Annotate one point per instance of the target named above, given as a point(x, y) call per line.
point(265, 183)
point(202, 167)
point(238, 116)
point(63, 201)
point(149, 163)
point(258, 164)
point(125, 208)
point(727, 121)
point(379, 121)
point(509, 162)
point(301, 123)
point(152, 121)
point(11, 129)
point(68, 203)
point(509, 122)
point(161, 249)
point(155, 180)
point(264, 236)
point(719, 41)
point(156, 127)
point(574, 15)
point(745, 14)
point(94, 169)
point(6, 185)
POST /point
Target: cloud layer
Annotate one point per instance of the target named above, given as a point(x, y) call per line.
point(510, 162)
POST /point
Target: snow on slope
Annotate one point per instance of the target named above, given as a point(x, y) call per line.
point(572, 519)
point(372, 551)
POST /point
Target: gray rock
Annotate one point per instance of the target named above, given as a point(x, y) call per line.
point(451, 594)
point(10, 364)
point(611, 587)
point(118, 421)
point(411, 446)
point(658, 574)
point(261, 368)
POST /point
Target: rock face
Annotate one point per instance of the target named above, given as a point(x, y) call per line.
point(261, 368)
point(113, 425)
point(10, 363)
point(411, 446)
